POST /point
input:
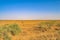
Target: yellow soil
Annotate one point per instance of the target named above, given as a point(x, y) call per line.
point(29, 30)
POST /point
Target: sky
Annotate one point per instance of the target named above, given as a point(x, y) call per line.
point(29, 9)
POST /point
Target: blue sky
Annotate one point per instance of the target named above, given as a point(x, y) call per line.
point(29, 9)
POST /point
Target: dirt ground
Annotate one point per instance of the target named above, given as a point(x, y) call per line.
point(35, 29)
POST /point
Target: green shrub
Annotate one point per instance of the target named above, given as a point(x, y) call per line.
point(12, 29)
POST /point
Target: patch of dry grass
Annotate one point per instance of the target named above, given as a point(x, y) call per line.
point(33, 29)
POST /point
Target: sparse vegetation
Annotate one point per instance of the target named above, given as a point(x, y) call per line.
point(31, 30)
point(44, 26)
point(58, 25)
point(12, 29)
point(47, 24)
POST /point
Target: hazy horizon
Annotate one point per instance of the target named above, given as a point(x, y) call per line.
point(29, 9)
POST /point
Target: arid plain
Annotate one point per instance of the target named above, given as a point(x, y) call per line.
point(34, 29)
